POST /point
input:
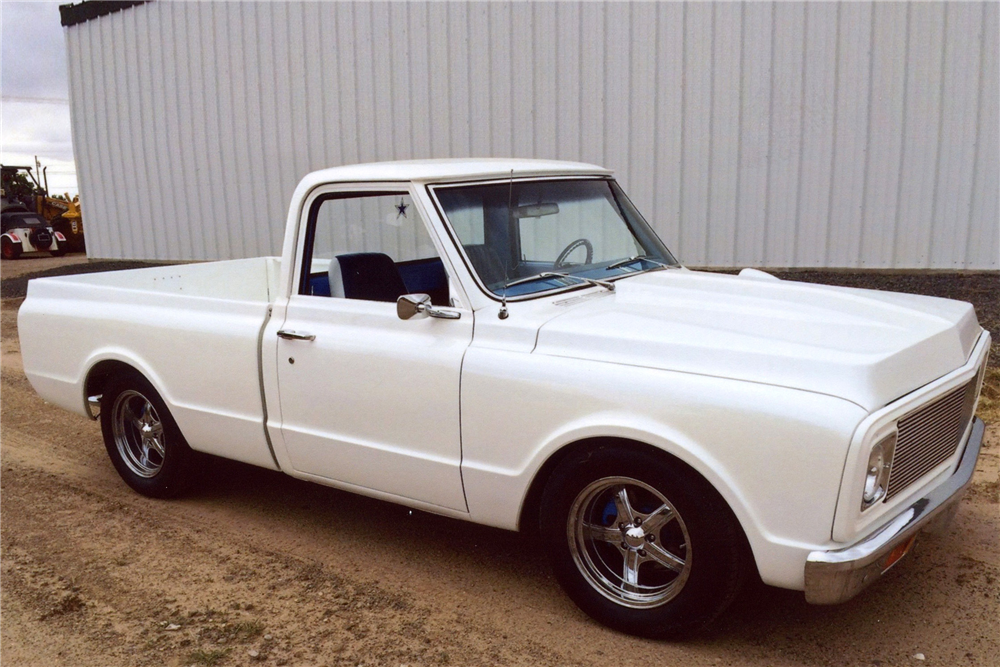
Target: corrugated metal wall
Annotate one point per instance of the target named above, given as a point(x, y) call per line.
point(838, 135)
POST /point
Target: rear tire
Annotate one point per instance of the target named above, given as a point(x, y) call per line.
point(640, 542)
point(9, 250)
point(142, 439)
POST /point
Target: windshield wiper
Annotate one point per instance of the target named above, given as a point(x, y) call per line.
point(645, 258)
point(550, 274)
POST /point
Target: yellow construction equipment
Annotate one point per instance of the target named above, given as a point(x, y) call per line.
point(64, 216)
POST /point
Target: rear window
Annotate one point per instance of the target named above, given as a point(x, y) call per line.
point(27, 219)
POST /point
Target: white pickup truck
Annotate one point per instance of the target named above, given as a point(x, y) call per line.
point(508, 342)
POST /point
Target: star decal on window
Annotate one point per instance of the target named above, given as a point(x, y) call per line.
point(401, 209)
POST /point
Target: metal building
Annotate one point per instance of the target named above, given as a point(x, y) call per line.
point(782, 135)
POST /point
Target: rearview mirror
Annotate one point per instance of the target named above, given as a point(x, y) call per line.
point(535, 210)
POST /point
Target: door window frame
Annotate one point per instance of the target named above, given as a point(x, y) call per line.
point(308, 215)
point(305, 265)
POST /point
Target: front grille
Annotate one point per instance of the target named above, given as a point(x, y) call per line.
point(929, 435)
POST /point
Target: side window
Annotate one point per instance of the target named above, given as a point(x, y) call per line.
point(370, 246)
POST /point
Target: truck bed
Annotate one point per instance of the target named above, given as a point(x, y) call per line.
point(250, 280)
point(191, 329)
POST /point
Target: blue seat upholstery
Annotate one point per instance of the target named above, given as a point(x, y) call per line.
point(371, 276)
point(319, 284)
point(426, 276)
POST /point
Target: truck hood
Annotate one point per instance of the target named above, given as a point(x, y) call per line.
point(865, 346)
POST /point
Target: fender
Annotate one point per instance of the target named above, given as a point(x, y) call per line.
point(20, 240)
point(735, 450)
point(637, 429)
point(644, 431)
point(196, 422)
point(128, 358)
point(777, 556)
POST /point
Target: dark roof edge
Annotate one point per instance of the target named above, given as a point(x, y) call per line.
point(82, 12)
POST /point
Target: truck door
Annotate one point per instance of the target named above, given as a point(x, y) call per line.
point(367, 399)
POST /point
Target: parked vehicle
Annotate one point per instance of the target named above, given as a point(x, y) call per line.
point(23, 231)
point(508, 342)
point(22, 191)
point(67, 220)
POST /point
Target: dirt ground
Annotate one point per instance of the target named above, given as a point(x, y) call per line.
point(257, 568)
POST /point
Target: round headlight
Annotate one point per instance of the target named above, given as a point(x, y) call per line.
point(877, 472)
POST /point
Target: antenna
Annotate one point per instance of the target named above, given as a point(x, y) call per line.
point(504, 313)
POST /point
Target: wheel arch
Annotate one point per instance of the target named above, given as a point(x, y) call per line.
point(18, 241)
point(103, 370)
point(528, 518)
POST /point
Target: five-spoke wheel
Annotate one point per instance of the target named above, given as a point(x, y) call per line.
point(629, 542)
point(640, 541)
point(138, 433)
point(145, 445)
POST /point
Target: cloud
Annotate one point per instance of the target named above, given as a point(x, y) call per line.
point(33, 67)
point(34, 51)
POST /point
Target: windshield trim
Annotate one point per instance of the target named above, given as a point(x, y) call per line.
point(430, 188)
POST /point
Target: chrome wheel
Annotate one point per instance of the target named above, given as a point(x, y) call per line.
point(629, 542)
point(138, 433)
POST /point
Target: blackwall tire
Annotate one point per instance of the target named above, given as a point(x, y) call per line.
point(640, 542)
point(142, 439)
point(9, 250)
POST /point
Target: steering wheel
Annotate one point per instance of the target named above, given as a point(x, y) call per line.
point(561, 259)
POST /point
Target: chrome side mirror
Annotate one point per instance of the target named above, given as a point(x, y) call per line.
point(411, 306)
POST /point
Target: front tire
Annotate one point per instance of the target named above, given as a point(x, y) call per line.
point(142, 439)
point(640, 542)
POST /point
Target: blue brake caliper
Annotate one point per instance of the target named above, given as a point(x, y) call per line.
point(609, 514)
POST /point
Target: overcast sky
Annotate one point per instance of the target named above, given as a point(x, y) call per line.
point(34, 92)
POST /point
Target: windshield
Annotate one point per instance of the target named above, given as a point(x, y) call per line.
point(533, 236)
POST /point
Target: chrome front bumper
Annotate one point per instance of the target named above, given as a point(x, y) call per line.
point(837, 576)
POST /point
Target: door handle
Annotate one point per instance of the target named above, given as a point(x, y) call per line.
point(295, 335)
